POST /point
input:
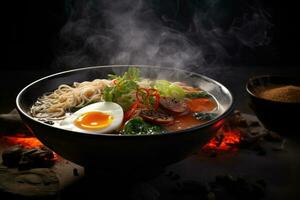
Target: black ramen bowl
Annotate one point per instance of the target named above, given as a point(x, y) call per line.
point(274, 115)
point(122, 152)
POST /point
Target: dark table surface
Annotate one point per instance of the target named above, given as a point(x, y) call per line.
point(281, 170)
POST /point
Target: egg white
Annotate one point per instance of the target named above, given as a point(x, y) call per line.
point(110, 108)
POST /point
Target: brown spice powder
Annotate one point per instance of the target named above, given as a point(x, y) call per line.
point(289, 93)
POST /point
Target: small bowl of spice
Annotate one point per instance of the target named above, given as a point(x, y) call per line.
point(276, 102)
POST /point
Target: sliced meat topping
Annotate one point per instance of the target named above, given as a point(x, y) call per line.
point(156, 117)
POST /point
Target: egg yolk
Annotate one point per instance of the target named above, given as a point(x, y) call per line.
point(93, 120)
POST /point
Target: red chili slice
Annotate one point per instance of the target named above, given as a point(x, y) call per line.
point(157, 100)
point(156, 117)
point(145, 100)
point(173, 104)
point(132, 111)
point(139, 95)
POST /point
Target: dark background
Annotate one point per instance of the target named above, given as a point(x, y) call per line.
point(31, 29)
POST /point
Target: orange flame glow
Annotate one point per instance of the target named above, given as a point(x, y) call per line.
point(228, 141)
point(24, 141)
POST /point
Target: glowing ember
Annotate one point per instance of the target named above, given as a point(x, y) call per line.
point(24, 141)
point(225, 140)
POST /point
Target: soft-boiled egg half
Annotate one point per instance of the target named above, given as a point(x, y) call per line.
point(101, 117)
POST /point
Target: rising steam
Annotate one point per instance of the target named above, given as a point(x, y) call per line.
point(104, 32)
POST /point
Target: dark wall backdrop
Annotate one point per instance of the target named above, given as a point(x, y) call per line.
point(32, 28)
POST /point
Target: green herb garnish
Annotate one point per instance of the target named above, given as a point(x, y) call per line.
point(194, 95)
point(124, 88)
point(137, 126)
point(168, 89)
point(205, 115)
